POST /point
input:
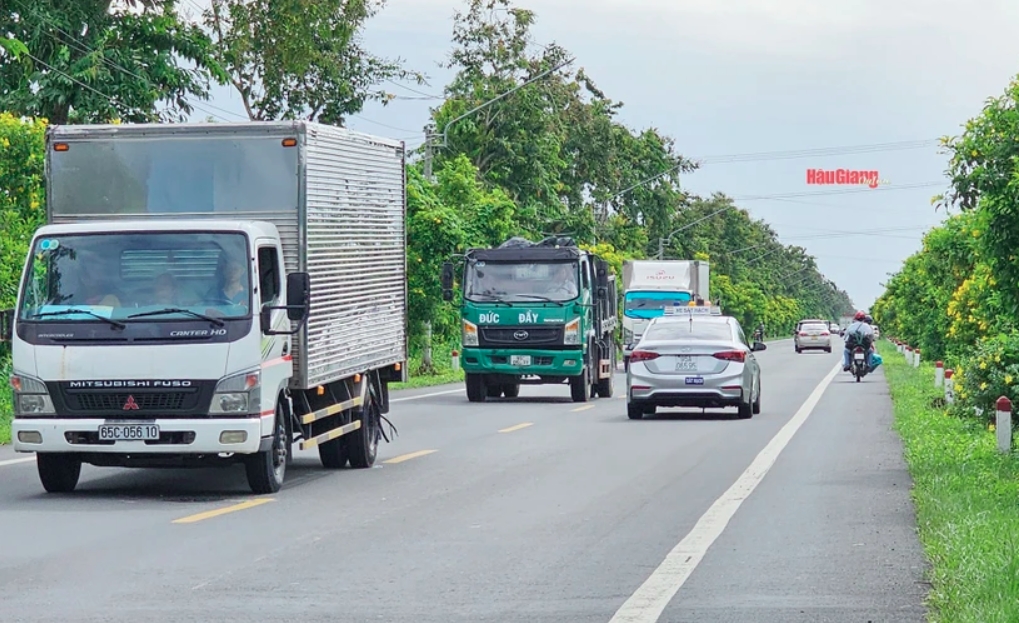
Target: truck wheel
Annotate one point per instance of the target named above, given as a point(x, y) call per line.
point(511, 391)
point(493, 391)
point(476, 391)
point(605, 386)
point(266, 470)
point(58, 473)
point(363, 444)
point(333, 454)
point(580, 386)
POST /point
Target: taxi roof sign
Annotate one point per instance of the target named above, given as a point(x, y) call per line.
point(693, 311)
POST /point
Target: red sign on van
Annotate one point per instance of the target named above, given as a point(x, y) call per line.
point(844, 177)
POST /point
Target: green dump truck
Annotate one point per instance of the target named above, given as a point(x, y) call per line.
point(536, 313)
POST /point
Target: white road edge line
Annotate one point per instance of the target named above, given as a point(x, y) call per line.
point(16, 461)
point(419, 396)
point(654, 595)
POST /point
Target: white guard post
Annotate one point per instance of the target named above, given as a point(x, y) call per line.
point(939, 373)
point(949, 386)
point(1003, 423)
point(916, 358)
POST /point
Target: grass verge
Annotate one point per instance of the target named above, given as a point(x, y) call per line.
point(443, 372)
point(967, 501)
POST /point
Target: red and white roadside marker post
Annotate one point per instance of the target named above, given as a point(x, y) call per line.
point(916, 358)
point(909, 355)
point(456, 360)
point(949, 386)
point(939, 373)
point(1003, 423)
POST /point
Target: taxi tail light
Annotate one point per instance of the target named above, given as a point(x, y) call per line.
point(643, 355)
point(731, 355)
point(825, 334)
point(803, 334)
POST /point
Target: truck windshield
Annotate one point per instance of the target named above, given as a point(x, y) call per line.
point(652, 304)
point(121, 276)
point(519, 281)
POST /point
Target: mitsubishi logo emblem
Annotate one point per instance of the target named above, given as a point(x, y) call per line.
point(520, 335)
point(131, 405)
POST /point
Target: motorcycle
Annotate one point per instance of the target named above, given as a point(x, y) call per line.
point(859, 365)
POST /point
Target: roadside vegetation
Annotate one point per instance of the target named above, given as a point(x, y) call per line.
point(552, 158)
point(965, 494)
point(957, 298)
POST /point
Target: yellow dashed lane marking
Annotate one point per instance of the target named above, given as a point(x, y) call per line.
point(223, 511)
point(517, 427)
point(408, 456)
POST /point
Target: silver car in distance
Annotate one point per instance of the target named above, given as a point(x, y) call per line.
point(694, 361)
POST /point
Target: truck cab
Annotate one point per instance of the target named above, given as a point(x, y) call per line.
point(536, 313)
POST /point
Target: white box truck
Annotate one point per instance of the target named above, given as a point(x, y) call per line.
point(650, 286)
point(207, 294)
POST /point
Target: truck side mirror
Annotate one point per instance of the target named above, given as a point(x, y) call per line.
point(603, 274)
point(298, 296)
point(447, 281)
point(6, 325)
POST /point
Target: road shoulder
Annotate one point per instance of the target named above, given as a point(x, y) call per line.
point(830, 533)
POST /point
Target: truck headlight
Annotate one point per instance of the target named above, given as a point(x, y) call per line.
point(470, 337)
point(240, 393)
point(572, 333)
point(31, 396)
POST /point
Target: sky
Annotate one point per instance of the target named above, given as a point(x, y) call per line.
point(756, 77)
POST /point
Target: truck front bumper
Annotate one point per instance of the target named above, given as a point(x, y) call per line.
point(536, 362)
point(193, 436)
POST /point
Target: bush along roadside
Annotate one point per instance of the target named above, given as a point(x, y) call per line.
point(442, 372)
point(967, 499)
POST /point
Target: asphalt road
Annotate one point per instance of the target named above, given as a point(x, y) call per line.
point(526, 510)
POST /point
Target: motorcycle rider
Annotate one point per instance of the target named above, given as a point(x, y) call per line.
point(859, 333)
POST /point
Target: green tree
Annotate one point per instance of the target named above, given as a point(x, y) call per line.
point(300, 59)
point(554, 144)
point(82, 62)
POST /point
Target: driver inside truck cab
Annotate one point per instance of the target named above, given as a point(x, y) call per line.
point(231, 286)
point(563, 282)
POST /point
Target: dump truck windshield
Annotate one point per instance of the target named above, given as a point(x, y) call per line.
point(137, 276)
point(521, 281)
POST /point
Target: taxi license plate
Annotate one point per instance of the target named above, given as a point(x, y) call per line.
point(685, 363)
point(520, 360)
point(694, 380)
point(128, 432)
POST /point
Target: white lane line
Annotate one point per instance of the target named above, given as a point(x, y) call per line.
point(418, 397)
point(16, 461)
point(650, 600)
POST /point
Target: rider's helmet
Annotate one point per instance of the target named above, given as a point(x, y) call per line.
point(860, 316)
point(868, 319)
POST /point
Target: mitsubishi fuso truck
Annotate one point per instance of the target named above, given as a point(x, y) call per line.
point(208, 294)
point(651, 286)
point(536, 313)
